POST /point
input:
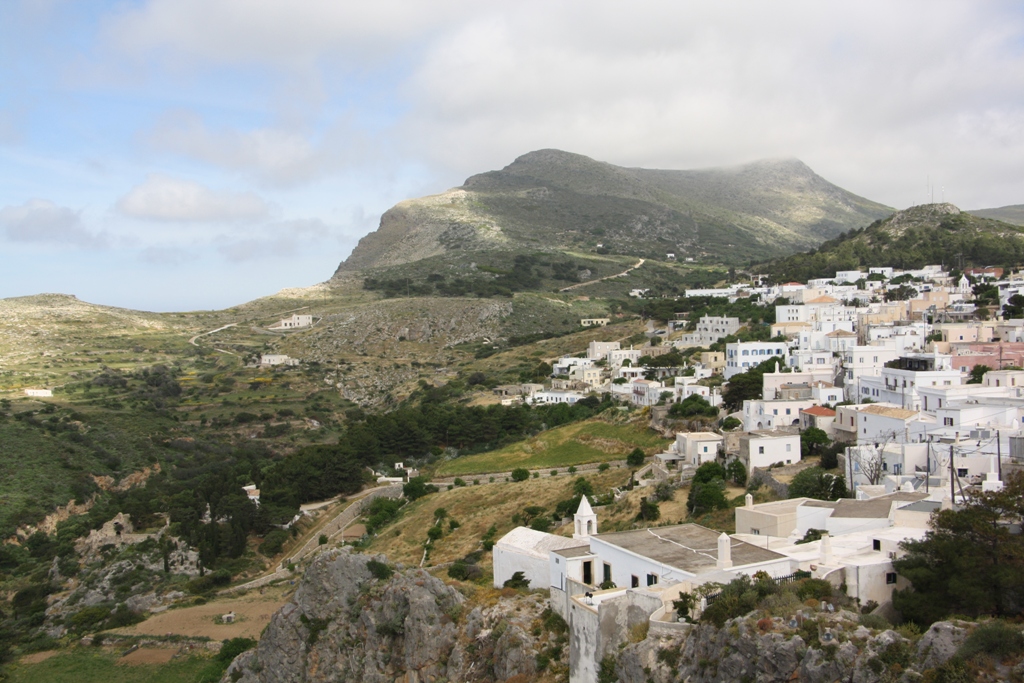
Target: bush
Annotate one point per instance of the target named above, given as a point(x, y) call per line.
point(518, 581)
point(435, 532)
point(273, 542)
point(737, 472)
point(234, 647)
point(417, 487)
point(459, 482)
point(994, 638)
point(730, 423)
point(635, 458)
point(649, 510)
point(664, 491)
point(520, 474)
point(603, 467)
point(459, 570)
point(379, 570)
point(322, 540)
point(875, 621)
point(819, 589)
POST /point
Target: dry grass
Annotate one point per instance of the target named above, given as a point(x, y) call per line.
point(476, 508)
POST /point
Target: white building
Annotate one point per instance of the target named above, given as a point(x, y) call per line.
point(710, 329)
point(899, 385)
point(528, 551)
point(293, 323)
point(271, 359)
point(763, 449)
point(39, 393)
point(617, 357)
point(760, 414)
point(696, 448)
point(599, 349)
point(741, 356)
point(548, 397)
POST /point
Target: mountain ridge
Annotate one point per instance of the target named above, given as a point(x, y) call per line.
point(910, 238)
point(551, 200)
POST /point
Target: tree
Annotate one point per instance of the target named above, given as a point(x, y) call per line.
point(709, 471)
point(748, 385)
point(1014, 307)
point(706, 496)
point(649, 510)
point(417, 487)
point(947, 579)
point(520, 474)
point(635, 458)
point(582, 487)
point(693, 405)
point(978, 374)
point(737, 472)
point(815, 482)
point(812, 441)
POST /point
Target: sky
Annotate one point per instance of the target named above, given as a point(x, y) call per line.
point(195, 154)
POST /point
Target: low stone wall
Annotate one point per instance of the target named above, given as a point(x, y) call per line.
point(780, 489)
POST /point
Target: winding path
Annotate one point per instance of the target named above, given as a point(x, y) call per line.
point(606, 277)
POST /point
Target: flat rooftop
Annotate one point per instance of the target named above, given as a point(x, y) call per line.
point(691, 548)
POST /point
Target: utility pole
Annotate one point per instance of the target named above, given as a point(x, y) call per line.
point(952, 490)
point(928, 467)
point(999, 456)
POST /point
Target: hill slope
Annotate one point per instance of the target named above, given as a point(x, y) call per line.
point(920, 235)
point(1008, 214)
point(551, 200)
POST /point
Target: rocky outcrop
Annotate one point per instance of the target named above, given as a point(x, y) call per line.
point(740, 651)
point(348, 623)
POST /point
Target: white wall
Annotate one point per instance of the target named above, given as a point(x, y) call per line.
point(507, 562)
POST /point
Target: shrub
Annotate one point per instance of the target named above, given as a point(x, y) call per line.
point(603, 467)
point(459, 570)
point(554, 473)
point(234, 647)
point(520, 474)
point(453, 525)
point(459, 482)
point(635, 458)
point(571, 469)
point(819, 589)
point(875, 621)
point(664, 491)
point(435, 532)
point(541, 524)
point(518, 581)
point(379, 570)
point(417, 487)
point(322, 540)
point(273, 542)
point(649, 510)
point(995, 638)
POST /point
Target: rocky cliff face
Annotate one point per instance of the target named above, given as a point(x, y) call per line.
point(740, 651)
point(346, 625)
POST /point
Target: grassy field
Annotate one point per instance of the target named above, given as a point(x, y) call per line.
point(476, 508)
point(95, 665)
point(575, 444)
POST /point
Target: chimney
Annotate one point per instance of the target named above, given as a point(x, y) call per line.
point(748, 501)
point(826, 550)
point(724, 552)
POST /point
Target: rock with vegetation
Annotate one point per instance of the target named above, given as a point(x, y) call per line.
point(356, 618)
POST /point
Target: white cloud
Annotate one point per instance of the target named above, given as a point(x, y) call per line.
point(284, 238)
point(42, 221)
point(274, 31)
point(162, 198)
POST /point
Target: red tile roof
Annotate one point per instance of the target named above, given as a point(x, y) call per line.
point(820, 411)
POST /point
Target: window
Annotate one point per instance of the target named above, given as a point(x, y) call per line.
point(755, 532)
point(588, 572)
point(607, 572)
point(789, 447)
point(961, 471)
point(890, 578)
point(876, 544)
point(652, 579)
point(788, 411)
point(947, 421)
point(634, 581)
point(760, 450)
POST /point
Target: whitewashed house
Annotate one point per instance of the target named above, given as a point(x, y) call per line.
point(293, 323)
point(763, 449)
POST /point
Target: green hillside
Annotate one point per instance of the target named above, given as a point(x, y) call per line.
point(1008, 214)
point(918, 236)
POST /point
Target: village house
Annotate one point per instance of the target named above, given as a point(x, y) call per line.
point(693, 448)
point(293, 323)
point(272, 359)
point(741, 356)
point(594, 322)
point(765, 448)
